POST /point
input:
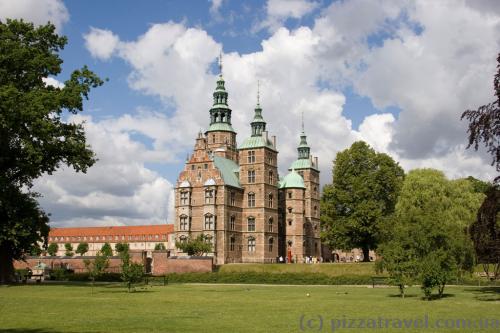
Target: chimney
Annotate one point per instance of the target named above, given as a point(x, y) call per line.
point(274, 141)
point(316, 162)
point(264, 135)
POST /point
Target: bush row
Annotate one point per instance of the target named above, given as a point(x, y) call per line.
point(269, 278)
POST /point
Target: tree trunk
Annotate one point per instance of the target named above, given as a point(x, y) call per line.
point(441, 290)
point(366, 254)
point(6, 265)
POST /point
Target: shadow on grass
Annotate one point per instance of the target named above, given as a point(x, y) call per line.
point(30, 330)
point(436, 297)
point(487, 294)
point(406, 295)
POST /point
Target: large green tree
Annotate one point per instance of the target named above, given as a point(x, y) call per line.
point(427, 240)
point(363, 193)
point(35, 139)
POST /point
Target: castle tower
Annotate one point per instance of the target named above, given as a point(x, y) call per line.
point(259, 177)
point(308, 169)
point(221, 137)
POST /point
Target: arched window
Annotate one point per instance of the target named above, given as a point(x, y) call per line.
point(271, 200)
point(232, 223)
point(270, 224)
point(251, 244)
point(270, 245)
point(251, 199)
point(271, 177)
point(290, 210)
point(183, 222)
point(251, 224)
point(232, 242)
point(289, 222)
point(183, 239)
point(209, 222)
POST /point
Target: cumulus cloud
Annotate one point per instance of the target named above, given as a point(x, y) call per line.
point(278, 11)
point(119, 189)
point(37, 11)
point(101, 43)
point(410, 55)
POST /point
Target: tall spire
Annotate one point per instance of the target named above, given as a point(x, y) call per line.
point(303, 148)
point(258, 124)
point(220, 113)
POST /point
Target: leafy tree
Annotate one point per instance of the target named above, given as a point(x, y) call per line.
point(107, 250)
point(82, 248)
point(195, 247)
point(52, 249)
point(69, 249)
point(96, 267)
point(484, 124)
point(363, 193)
point(485, 233)
point(121, 247)
point(428, 238)
point(34, 138)
point(160, 247)
point(36, 251)
point(131, 272)
point(478, 185)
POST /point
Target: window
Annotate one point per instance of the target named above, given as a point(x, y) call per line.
point(270, 225)
point(271, 178)
point(271, 243)
point(289, 222)
point(184, 198)
point(271, 201)
point(290, 210)
point(209, 196)
point(208, 240)
point(182, 239)
point(209, 222)
point(192, 167)
point(232, 198)
point(251, 176)
point(251, 224)
point(231, 244)
point(232, 223)
point(315, 210)
point(251, 244)
point(289, 195)
point(205, 166)
point(251, 156)
point(213, 138)
point(251, 199)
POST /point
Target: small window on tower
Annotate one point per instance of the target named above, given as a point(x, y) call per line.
point(213, 138)
point(251, 156)
point(289, 195)
point(205, 166)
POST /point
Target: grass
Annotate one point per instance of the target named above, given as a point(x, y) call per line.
point(50, 308)
point(334, 269)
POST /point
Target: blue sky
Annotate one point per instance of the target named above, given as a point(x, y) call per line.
point(396, 74)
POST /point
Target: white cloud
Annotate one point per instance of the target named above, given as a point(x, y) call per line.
point(50, 81)
point(37, 11)
point(119, 188)
point(278, 11)
point(101, 43)
point(215, 9)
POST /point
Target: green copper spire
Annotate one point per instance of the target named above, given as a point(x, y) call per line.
point(258, 123)
point(303, 148)
point(220, 113)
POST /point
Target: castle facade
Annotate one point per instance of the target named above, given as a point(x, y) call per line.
point(234, 197)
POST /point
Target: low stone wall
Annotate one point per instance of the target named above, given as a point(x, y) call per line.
point(166, 265)
point(161, 263)
point(75, 263)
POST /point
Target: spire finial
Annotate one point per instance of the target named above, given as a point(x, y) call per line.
point(258, 92)
point(220, 63)
point(302, 121)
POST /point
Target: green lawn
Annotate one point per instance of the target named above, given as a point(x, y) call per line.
point(50, 308)
point(333, 269)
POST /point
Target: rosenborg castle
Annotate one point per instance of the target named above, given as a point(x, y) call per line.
point(232, 194)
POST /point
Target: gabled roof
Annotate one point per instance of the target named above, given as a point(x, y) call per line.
point(113, 230)
point(256, 142)
point(229, 170)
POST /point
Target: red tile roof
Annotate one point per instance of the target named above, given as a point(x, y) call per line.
point(113, 231)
